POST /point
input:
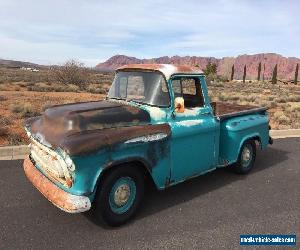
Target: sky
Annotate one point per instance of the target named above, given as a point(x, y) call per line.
point(51, 32)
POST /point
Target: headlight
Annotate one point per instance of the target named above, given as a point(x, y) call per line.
point(69, 163)
point(27, 132)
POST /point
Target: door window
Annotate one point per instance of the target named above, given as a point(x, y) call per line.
point(190, 89)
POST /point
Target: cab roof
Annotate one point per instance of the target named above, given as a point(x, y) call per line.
point(166, 69)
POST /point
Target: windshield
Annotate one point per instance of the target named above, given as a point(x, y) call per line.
point(142, 87)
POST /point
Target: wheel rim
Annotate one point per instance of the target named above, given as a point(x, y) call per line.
point(122, 195)
point(246, 156)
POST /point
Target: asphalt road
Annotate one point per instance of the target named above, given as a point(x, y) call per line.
point(209, 212)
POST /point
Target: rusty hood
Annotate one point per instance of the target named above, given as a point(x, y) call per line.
point(60, 122)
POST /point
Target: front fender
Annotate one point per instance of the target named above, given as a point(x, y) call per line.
point(152, 154)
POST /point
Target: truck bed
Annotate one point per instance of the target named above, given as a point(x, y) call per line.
point(224, 110)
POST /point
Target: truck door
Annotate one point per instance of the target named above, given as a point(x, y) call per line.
point(194, 132)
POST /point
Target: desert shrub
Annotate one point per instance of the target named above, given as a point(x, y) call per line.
point(294, 107)
point(218, 84)
point(48, 104)
point(16, 108)
point(22, 84)
point(41, 87)
point(3, 98)
point(72, 72)
point(283, 119)
point(96, 89)
point(15, 139)
point(30, 84)
point(4, 122)
point(3, 131)
point(60, 88)
point(271, 98)
point(281, 100)
point(277, 114)
point(222, 97)
point(264, 103)
point(295, 98)
point(250, 98)
point(233, 98)
point(271, 104)
point(25, 110)
point(30, 88)
point(72, 88)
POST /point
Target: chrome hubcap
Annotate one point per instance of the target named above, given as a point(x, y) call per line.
point(122, 194)
point(246, 154)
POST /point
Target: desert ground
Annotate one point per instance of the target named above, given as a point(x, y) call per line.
point(26, 94)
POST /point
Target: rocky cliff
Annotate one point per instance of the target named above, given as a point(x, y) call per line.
point(286, 65)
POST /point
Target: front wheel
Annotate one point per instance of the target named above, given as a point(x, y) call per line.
point(119, 195)
point(246, 158)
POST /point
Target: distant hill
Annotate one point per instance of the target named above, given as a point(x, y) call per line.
point(18, 64)
point(286, 65)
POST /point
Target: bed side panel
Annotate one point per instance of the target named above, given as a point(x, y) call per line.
point(234, 131)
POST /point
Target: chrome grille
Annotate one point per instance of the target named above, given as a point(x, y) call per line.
point(48, 160)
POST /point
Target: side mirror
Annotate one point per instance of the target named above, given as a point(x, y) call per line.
point(179, 104)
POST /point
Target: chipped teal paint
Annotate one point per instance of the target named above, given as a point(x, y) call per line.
point(235, 131)
point(199, 143)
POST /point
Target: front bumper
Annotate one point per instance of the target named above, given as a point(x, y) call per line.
point(65, 201)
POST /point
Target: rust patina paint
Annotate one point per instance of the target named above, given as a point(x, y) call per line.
point(166, 69)
point(65, 201)
point(91, 141)
point(221, 108)
point(59, 122)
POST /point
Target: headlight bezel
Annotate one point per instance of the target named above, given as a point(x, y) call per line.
point(67, 159)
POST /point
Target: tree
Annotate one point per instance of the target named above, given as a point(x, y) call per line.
point(232, 72)
point(296, 74)
point(197, 66)
point(274, 77)
point(245, 73)
point(72, 72)
point(210, 71)
point(211, 68)
point(259, 71)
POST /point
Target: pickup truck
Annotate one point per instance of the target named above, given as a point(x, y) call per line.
point(157, 123)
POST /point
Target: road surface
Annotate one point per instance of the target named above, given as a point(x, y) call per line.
point(209, 212)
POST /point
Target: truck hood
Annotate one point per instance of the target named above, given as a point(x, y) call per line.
point(59, 122)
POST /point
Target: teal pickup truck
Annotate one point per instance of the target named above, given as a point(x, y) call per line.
point(157, 122)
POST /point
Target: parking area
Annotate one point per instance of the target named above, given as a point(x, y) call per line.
point(209, 212)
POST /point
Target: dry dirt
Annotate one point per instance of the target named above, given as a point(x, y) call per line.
point(17, 103)
point(38, 100)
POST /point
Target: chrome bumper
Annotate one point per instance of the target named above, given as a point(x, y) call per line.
point(65, 201)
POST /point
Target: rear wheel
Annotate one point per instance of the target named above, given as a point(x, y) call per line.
point(246, 158)
point(119, 195)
